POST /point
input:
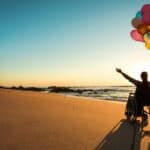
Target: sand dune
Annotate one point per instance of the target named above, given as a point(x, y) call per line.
point(43, 121)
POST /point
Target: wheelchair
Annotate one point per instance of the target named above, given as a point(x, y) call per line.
point(131, 110)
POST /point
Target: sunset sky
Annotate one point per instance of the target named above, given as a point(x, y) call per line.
point(69, 42)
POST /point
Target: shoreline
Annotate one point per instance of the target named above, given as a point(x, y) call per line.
point(92, 98)
point(73, 96)
point(110, 93)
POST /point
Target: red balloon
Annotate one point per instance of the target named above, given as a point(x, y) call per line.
point(146, 19)
point(136, 22)
point(135, 35)
point(145, 9)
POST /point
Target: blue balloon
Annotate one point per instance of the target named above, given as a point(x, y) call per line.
point(139, 15)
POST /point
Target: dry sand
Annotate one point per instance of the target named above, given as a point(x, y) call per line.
point(43, 121)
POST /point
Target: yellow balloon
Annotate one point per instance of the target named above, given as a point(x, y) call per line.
point(146, 38)
point(147, 45)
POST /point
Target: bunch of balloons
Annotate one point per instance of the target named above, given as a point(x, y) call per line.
point(141, 23)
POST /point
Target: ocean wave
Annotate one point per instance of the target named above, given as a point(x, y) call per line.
point(118, 93)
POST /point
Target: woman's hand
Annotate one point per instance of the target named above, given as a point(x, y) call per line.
point(118, 70)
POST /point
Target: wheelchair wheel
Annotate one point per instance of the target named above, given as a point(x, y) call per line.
point(130, 110)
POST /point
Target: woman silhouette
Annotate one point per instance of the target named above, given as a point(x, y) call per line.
point(142, 92)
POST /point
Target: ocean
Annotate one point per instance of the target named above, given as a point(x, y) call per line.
point(113, 93)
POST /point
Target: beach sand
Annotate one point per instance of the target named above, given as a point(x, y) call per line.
point(44, 121)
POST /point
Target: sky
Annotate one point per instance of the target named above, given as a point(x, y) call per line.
point(69, 42)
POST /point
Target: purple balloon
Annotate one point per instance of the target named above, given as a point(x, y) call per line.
point(135, 35)
point(146, 18)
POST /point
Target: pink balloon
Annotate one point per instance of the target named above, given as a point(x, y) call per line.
point(146, 19)
point(135, 35)
point(145, 9)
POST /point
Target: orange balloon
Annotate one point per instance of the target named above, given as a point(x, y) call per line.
point(142, 29)
point(147, 45)
point(136, 22)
